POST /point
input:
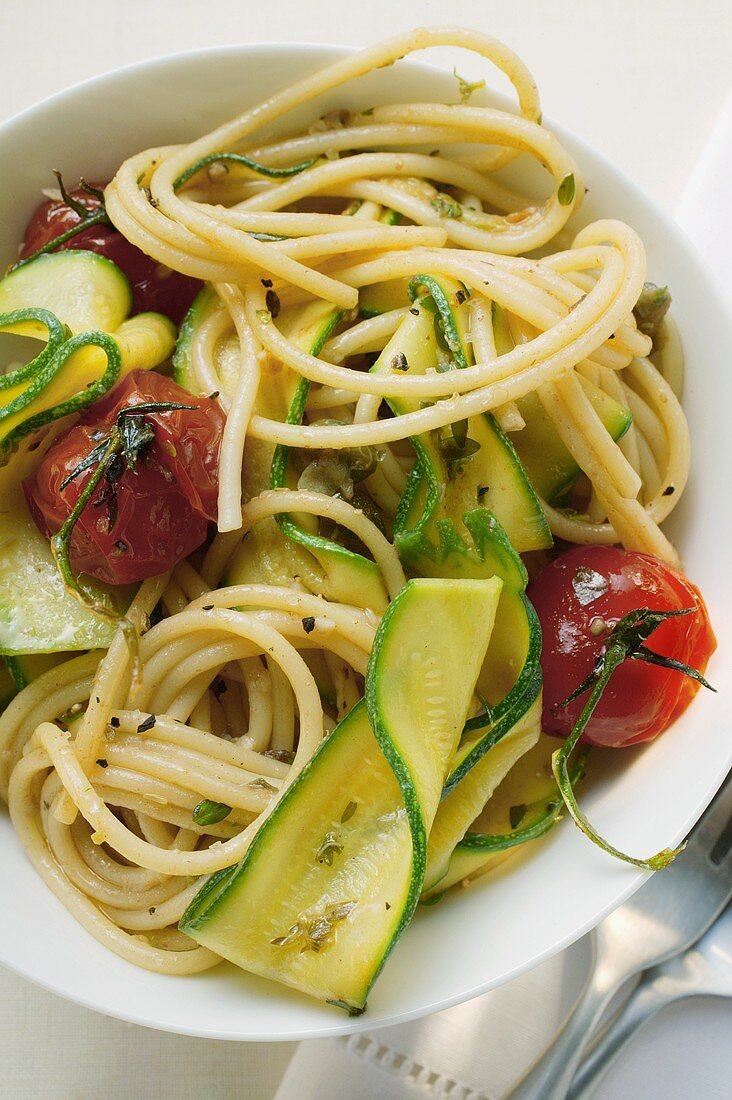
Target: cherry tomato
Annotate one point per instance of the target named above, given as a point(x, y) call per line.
point(162, 509)
point(579, 598)
point(154, 287)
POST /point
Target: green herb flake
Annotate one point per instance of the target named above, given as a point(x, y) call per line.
point(516, 815)
point(446, 206)
point(308, 624)
point(314, 931)
point(566, 190)
point(467, 87)
point(348, 812)
point(330, 846)
point(285, 756)
point(210, 813)
point(293, 933)
point(262, 784)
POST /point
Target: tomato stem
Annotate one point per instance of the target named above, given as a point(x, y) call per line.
point(128, 439)
point(100, 218)
point(93, 597)
point(624, 643)
point(88, 217)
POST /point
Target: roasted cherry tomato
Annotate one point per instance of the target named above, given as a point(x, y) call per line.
point(579, 598)
point(161, 509)
point(154, 286)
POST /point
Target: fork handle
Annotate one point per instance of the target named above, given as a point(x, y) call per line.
point(551, 1076)
point(652, 994)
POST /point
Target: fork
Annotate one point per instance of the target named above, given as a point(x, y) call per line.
point(671, 911)
point(706, 968)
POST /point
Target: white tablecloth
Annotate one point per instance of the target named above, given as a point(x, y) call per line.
point(643, 83)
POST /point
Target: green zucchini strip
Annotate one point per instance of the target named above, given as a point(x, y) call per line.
point(549, 465)
point(49, 371)
point(474, 464)
point(334, 874)
point(477, 849)
point(247, 162)
point(349, 577)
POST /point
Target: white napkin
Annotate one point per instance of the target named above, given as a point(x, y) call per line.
point(477, 1051)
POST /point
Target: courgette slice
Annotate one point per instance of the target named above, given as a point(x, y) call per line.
point(462, 805)
point(346, 577)
point(67, 376)
point(17, 672)
point(550, 466)
point(12, 680)
point(199, 311)
point(85, 290)
point(333, 876)
point(383, 297)
point(448, 481)
point(284, 551)
point(37, 613)
point(523, 808)
point(226, 350)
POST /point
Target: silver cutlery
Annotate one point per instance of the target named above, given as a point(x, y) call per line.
point(669, 913)
point(706, 968)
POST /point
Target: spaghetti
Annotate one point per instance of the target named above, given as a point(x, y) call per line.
point(104, 769)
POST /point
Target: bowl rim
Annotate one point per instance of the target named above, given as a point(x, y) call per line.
point(722, 309)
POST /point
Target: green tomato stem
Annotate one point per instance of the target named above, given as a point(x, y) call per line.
point(614, 657)
point(89, 595)
point(100, 218)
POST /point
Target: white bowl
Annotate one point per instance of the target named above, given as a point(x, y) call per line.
point(541, 900)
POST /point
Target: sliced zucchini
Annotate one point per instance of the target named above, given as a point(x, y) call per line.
point(333, 876)
point(551, 468)
point(524, 807)
point(67, 376)
point(462, 805)
point(17, 672)
point(383, 297)
point(269, 556)
point(226, 351)
point(199, 311)
point(461, 467)
point(469, 521)
point(85, 290)
point(37, 614)
point(346, 577)
point(11, 680)
point(266, 556)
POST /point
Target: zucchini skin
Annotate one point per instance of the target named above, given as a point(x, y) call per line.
point(392, 751)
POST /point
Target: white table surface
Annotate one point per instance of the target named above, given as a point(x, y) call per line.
point(643, 83)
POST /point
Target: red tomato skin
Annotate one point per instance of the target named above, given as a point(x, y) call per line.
point(154, 287)
point(640, 700)
point(163, 509)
